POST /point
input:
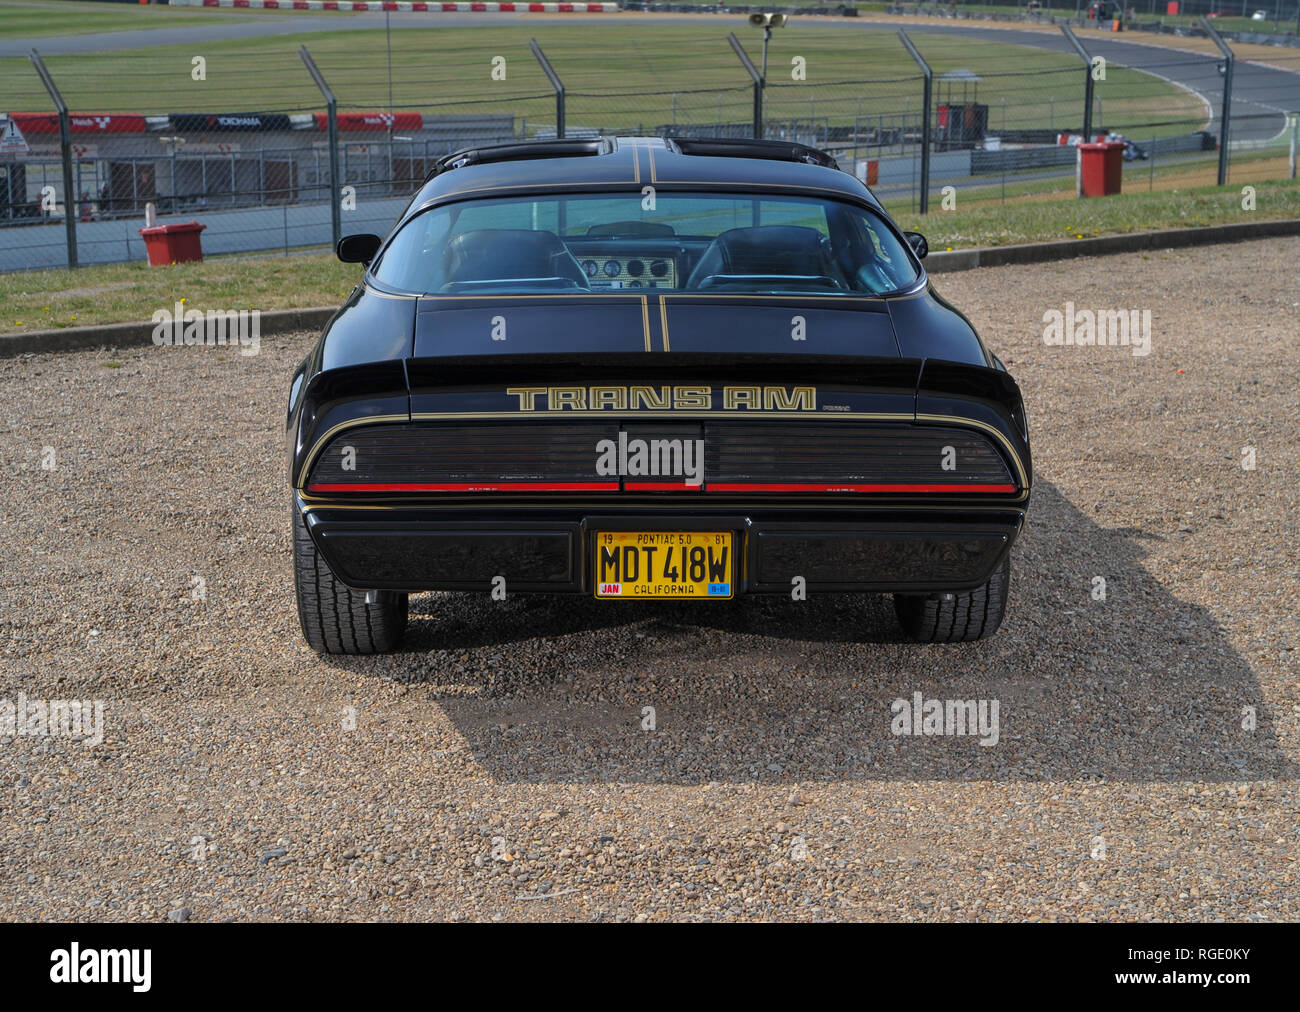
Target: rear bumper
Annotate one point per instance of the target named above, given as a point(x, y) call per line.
point(903, 550)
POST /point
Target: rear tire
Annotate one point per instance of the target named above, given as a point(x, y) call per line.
point(957, 617)
point(335, 618)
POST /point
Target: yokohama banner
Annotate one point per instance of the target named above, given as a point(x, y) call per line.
point(202, 122)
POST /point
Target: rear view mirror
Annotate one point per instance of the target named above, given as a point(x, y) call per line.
point(357, 249)
point(917, 241)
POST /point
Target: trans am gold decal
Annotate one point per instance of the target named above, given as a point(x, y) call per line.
point(664, 398)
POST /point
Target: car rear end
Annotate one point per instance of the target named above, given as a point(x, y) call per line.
point(884, 485)
point(721, 392)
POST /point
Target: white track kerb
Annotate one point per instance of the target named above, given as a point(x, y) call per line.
point(432, 7)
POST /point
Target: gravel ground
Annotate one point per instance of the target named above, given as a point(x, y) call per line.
point(498, 768)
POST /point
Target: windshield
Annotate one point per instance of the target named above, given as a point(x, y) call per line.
point(725, 243)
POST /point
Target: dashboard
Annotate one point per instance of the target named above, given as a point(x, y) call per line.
point(613, 265)
point(611, 271)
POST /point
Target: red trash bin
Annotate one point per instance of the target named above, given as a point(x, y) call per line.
point(1100, 168)
point(173, 244)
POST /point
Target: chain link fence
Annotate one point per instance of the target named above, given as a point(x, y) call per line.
point(264, 175)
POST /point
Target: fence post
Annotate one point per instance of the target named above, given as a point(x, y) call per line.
point(1228, 59)
point(1295, 130)
point(756, 77)
point(927, 94)
point(556, 83)
point(1087, 81)
point(332, 121)
point(65, 144)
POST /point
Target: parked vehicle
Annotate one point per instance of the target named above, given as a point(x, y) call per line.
point(650, 368)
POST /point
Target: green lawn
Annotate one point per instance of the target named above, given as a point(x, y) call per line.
point(39, 300)
point(117, 293)
point(1180, 172)
point(619, 76)
point(1043, 220)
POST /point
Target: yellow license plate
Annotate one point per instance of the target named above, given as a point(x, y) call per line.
point(650, 564)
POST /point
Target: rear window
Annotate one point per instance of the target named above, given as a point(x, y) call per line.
point(725, 243)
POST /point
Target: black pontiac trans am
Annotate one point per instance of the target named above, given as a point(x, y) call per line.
point(650, 369)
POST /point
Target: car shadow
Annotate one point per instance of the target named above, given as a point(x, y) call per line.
point(1138, 686)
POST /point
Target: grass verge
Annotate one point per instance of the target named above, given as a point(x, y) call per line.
point(1038, 220)
point(618, 76)
point(121, 293)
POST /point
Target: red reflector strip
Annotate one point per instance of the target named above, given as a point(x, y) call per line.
point(803, 487)
point(504, 486)
point(643, 486)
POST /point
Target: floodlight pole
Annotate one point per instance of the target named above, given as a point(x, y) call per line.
point(332, 123)
point(758, 80)
point(556, 83)
point(1087, 81)
point(65, 143)
point(928, 91)
point(1224, 119)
